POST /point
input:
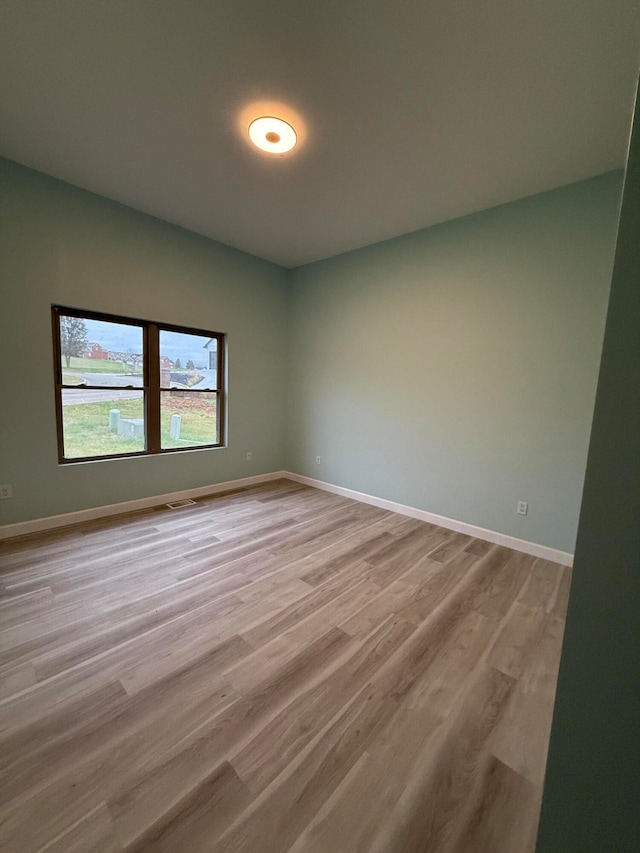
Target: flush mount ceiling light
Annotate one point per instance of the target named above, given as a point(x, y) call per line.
point(272, 135)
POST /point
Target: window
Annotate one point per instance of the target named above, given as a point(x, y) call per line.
point(132, 387)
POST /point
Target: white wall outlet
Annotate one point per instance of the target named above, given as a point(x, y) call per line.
point(318, 460)
point(249, 456)
point(6, 491)
point(523, 507)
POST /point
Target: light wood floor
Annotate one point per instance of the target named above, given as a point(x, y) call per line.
point(276, 669)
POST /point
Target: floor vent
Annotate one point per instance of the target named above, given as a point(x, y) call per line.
point(179, 504)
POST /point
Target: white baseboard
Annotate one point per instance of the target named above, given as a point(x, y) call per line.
point(37, 525)
point(562, 557)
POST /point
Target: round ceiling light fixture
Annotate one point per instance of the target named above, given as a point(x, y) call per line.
point(272, 135)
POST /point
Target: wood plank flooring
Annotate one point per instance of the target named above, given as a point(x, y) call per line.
point(274, 670)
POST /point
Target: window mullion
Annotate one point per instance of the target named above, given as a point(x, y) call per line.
point(152, 387)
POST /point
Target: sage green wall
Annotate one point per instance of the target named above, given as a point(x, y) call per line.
point(454, 369)
point(591, 800)
point(59, 244)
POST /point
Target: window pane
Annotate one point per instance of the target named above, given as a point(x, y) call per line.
point(187, 361)
point(96, 352)
point(102, 423)
point(188, 419)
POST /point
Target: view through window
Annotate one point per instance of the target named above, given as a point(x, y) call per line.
point(127, 386)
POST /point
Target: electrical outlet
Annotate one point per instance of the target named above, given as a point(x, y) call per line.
point(6, 491)
point(249, 457)
point(318, 460)
point(523, 507)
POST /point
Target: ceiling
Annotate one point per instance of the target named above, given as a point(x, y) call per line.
point(411, 112)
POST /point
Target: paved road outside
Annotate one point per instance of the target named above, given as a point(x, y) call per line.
point(86, 395)
point(119, 381)
point(89, 395)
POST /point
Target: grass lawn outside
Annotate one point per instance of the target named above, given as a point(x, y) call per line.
point(87, 433)
point(93, 365)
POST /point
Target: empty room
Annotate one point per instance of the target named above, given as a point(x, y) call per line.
point(319, 433)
